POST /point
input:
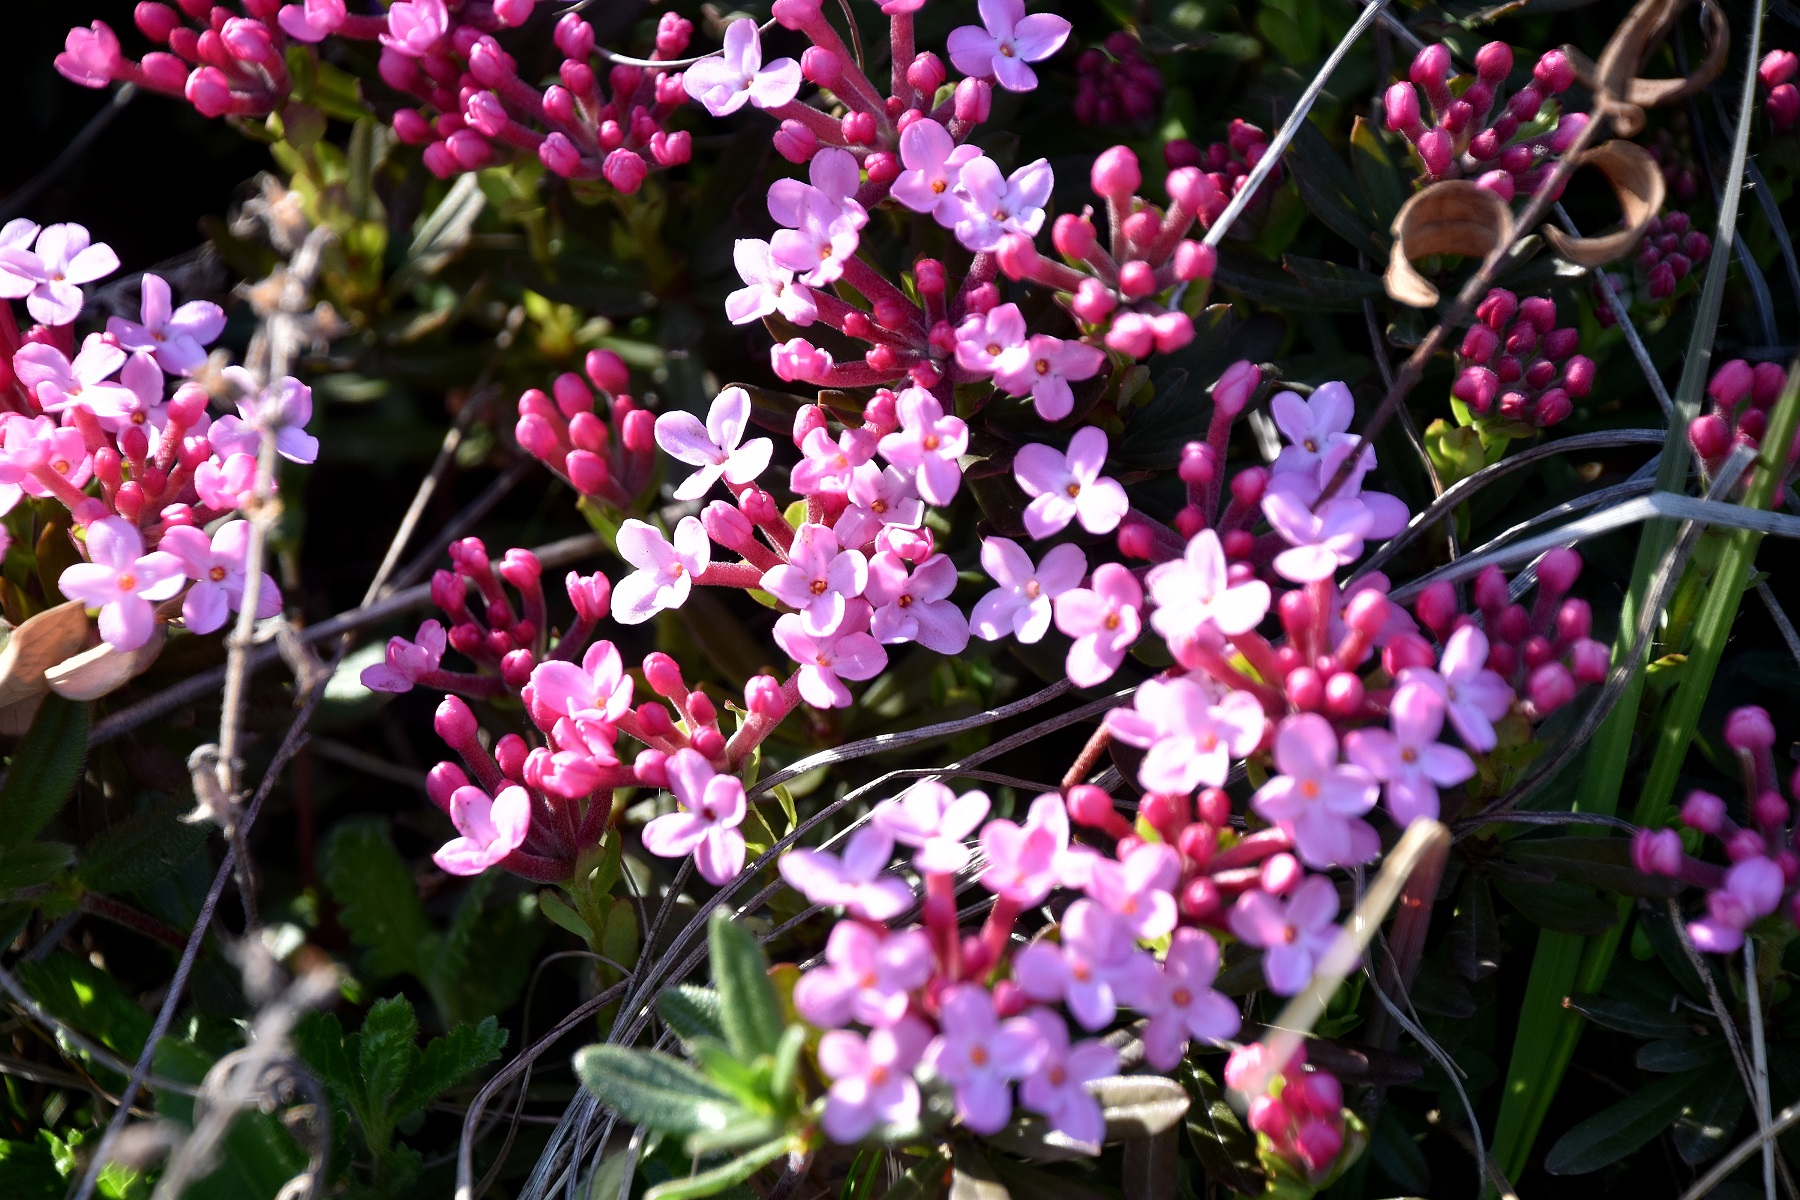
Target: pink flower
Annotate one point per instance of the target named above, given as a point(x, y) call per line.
point(1096, 967)
point(1181, 1002)
point(985, 342)
point(714, 447)
point(879, 497)
point(934, 164)
point(768, 288)
point(1293, 934)
point(1320, 541)
point(866, 977)
point(491, 829)
point(122, 582)
point(914, 607)
point(871, 1079)
point(594, 695)
point(725, 84)
point(416, 26)
point(855, 881)
point(1104, 622)
point(829, 467)
point(822, 238)
point(90, 57)
point(176, 338)
point(981, 1056)
point(1058, 1088)
point(227, 483)
point(934, 820)
point(1475, 696)
point(47, 277)
point(1194, 594)
point(1191, 739)
point(1139, 889)
point(929, 444)
point(712, 808)
point(217, 567)
point(56, 383)
point(407, 663)
point(1752, 890)
point(836, 175)
point(665, 570)
point(1023, 860)
point(284, 407)
point(995, 205)
point(1021, 604)
point(313, 22)
point(818, 578)
point(1044, 370)
point(826, 660)
point(1410, 761)
point(1311, 425)
point(1067, 487)
point(1010, 40)
point(1316, 800)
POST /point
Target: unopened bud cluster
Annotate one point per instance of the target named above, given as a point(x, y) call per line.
point(1777, 71)
point(1515, 363)
point(1117, 85)
point(1742, 396)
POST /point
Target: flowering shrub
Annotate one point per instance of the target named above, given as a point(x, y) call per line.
point(866, 427)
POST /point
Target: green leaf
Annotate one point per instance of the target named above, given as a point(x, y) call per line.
point(1680, 1054)
point(1597, 862)
point(1337, 286)
point(786, 1071)
point(747, 1005)
point(691, 1011)
point(1040, 1184)
point(75, 991)
point(1226, 1149)
point(319, 1037)
point(1474, 931)
point(28, 1172)
point(141, 849)
point(386, 1053)
point(1139, 1106)
point(709, 1183)
point(43, 770)
point(654, 1090)
point(33, 863)
point(1384, 187)
point(1562, 907)
point(559, 912)
point(1329, 189)
point(1709, 1126)
point(1627, 1016)
point(446, 1061)
point(1614, 1132)
point(377, 899)
point(1297, 284)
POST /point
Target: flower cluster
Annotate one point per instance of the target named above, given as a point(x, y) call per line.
point(1115, 84)
point(117, 431)
point(1505, 148)
point(1668, 254)
point(1227, 164)
point(1297, 1114)
point(1777, 71)
point(608, 458)
point(1516, 364)
point(1742, 396)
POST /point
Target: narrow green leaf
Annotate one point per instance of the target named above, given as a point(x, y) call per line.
point(1629, 1017)
point(43, 770)
point(1709, 1126)
point(1614, 1132)
point(32, 863)
point(1384, 187)
point(1596, 861)
point(1680, 1054)
point(747, 1005)
point(710, 1183)
point(1474, 931)
point(691, 1011)
point(654, 1090)
point(1226, 1149)
point(1561, 907)
point(1329, 189)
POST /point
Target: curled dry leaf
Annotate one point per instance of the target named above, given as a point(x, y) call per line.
point(101, 669)
point(37, 645)
point(1638, 183)
point(1451, 217)
point(1620, 95)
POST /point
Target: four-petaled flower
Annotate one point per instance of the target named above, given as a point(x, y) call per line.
point(1474, 696)
point(737, 76)
point(1068, 487)
point(818, 578)
point(1021, 604)
point(934, 164)
point(407, 663)
point(995, 204)
point(1190, 738)
point(768, 288)
point(1181, 1002)
point(934, 820)
point(866, 977)
point(122, 581)
point(48, 276)
point(829, 659)
point(1097, 966)
point(712, 808)
point(714, 447)
point(871, 1078)
point(665, 569)
point(855, 880)
point(981, 1055)
point(1010, 41)
point(1103, 620)
point(1194, 593)
point(1293, 933)
point(929, 444)
point(1023, 860)
point(1043, 370)
point(1312, 425)
point(1320, 541)
point(1317, 800)
point(490, 827)
point(915, 607)
point(283, 408)
point(176, 337)
point(216, 566)
point(56, 383)
point(1410, 761)
point(1058, 1088)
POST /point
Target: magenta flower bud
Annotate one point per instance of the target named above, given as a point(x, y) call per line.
point(589, 594)
point(1116, 174)
point(1344, 694)
point(1199, 462)
point(1270, 1117)
point(1195, 260)
point(607, 371)
point(1514, 625)
point(209, 91)
point(672, 34)
point(808, 418)
point(1770, 811)
point(574, 36)
point(821, 66)
point(510, 753)
point(1074, 236)
point(726, 525)
point(1540, 311)
point(858, 128)
point(671, 149)
point(521, 568)
point(927, 75)
point(1749, 729)
point(1019, 259)
point(1137, 279)
point(1498, 182)
point(588, 432)
point(1476, 387)
point(587, 471)
point(1281, 874)
point(412, 127)
point(157, 21)
point(625, 170)
point(1140, 227)
point(1550, 687)
point(1783, 107)
point(1318, 1143)
point(1525, 104)
point(758, 505)
point(663, 674)
point(1661, 283)
point(1402, 104)
point(1560, 343)
point(1479, 344)
point(1092, 807)
point(442, 781)
point(486, 114)
point(1406, 649)
point(1437, 151)
point(881, 412)
point(710, 743)
point(762, 696)
point(489, 64)
point(516, 667)
point(1554, 72)
point(1248, 486)
point(651, 768)
point(1776, 68)
point(1457, 117)
point(469, 149)
point(1574, 620)
point(513, 13)
point(1703, 811)
point(1540, 373)
point(1193, 189)
point(1305, 689)
point(1093, 303)
point(974, 101)
point(1132, 334)
point(248, 41)
point(638, 432)
point(1136, 541)
point(455, 723)
point(1430, 66)
point(1767, 382)
point(1367, 612)
point(981, 298)
point(1578, 375)
point(883, 166)
point(1493, 63)
point(1731, 383)
point(1657, 852)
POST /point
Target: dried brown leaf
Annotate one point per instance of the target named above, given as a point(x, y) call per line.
point(37, 645)
point(1638, 183)
point(101, 669)
point(1451, 217)
point(1621, 95)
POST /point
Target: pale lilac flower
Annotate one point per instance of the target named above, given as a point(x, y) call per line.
point(1294, 933)
point(1181, 1002)
point(1068, 487)
point(56, 383)
point(1191, 739)
point(313, 21)
point(122, 581)
point(768, 288)
point(1388, 515)
point(665, 570)
point(981, 1055)
point(31, 444)
point(1097, 966)
point(866, 977)
point(836, 176)
point(827, 660)
point(1312, 425)
point(1317, 800)
point(935, 821)
point(879, 497)
point(828, 467)
point(216, 566)
point(986, 341)
point(407, 663)
point(929, 444)
point(284, 407)
point(47, 277)
point(1021, 604)
point(416, 26)
point(596, 693)
point(818, 579)
point(725, 84)
point(855, 881)
point(1139, 889)
point(934, 164)
point(1043, 371)
point(1752, 890)
point(871, 1079)
point(1320, 542)
point(1103, 620)
point(226, 483)
point(1475, 696)
point(914, 607)
point(1410, 761)
point(821, 240)
point(490, 827)
point(1010, 40)
point(714, 447)
point(995, 205)
point(177, 338)
point(1023, 859)
point(712, 808)
point(1194, 593)
point(1058, 1088)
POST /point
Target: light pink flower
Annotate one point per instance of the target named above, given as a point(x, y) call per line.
point(1103, 620)
point(827, 660)
point(818, 579)
point(312, 22)
point(407, 663)
point(981, 1055)
point(1294, 934)
point(1181, 1002)
point(56, 383)
point(737, 77)
point(1140, 889)
point(995, 205)
point(934, 820)
point(177, 338)
point(914, 607)
point(1752, 890)
point(48, 276)
point(593, 695)
point(1021, 604)
point(1320, 542)
point(986, 342)
point(714, 447)
point(1410, 761)
point(828, 467)
point(1096, 967)
point(1194, 594)
point(122, 581)
point(216, 566)
point(929, 444)
point(934, 164)
point(1191, 740)
point(712, 808)
point(1475, 696)
point(1009, 40)
point(1023, 860)
point(665, 570)
point(226, 483)
point(866, 977)
point(1312, 425)
point(768, 288)
point(836, 174)
point(416, 26)
point(821, 240)
point(1317, 800)
point(879, 497)
point(491, 829)
point(1043, 371)
point(285, 407)
point(798, 359)
point(1068, 487)
point(855, 881)
point(871, 1079)
point(1058, 1088)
